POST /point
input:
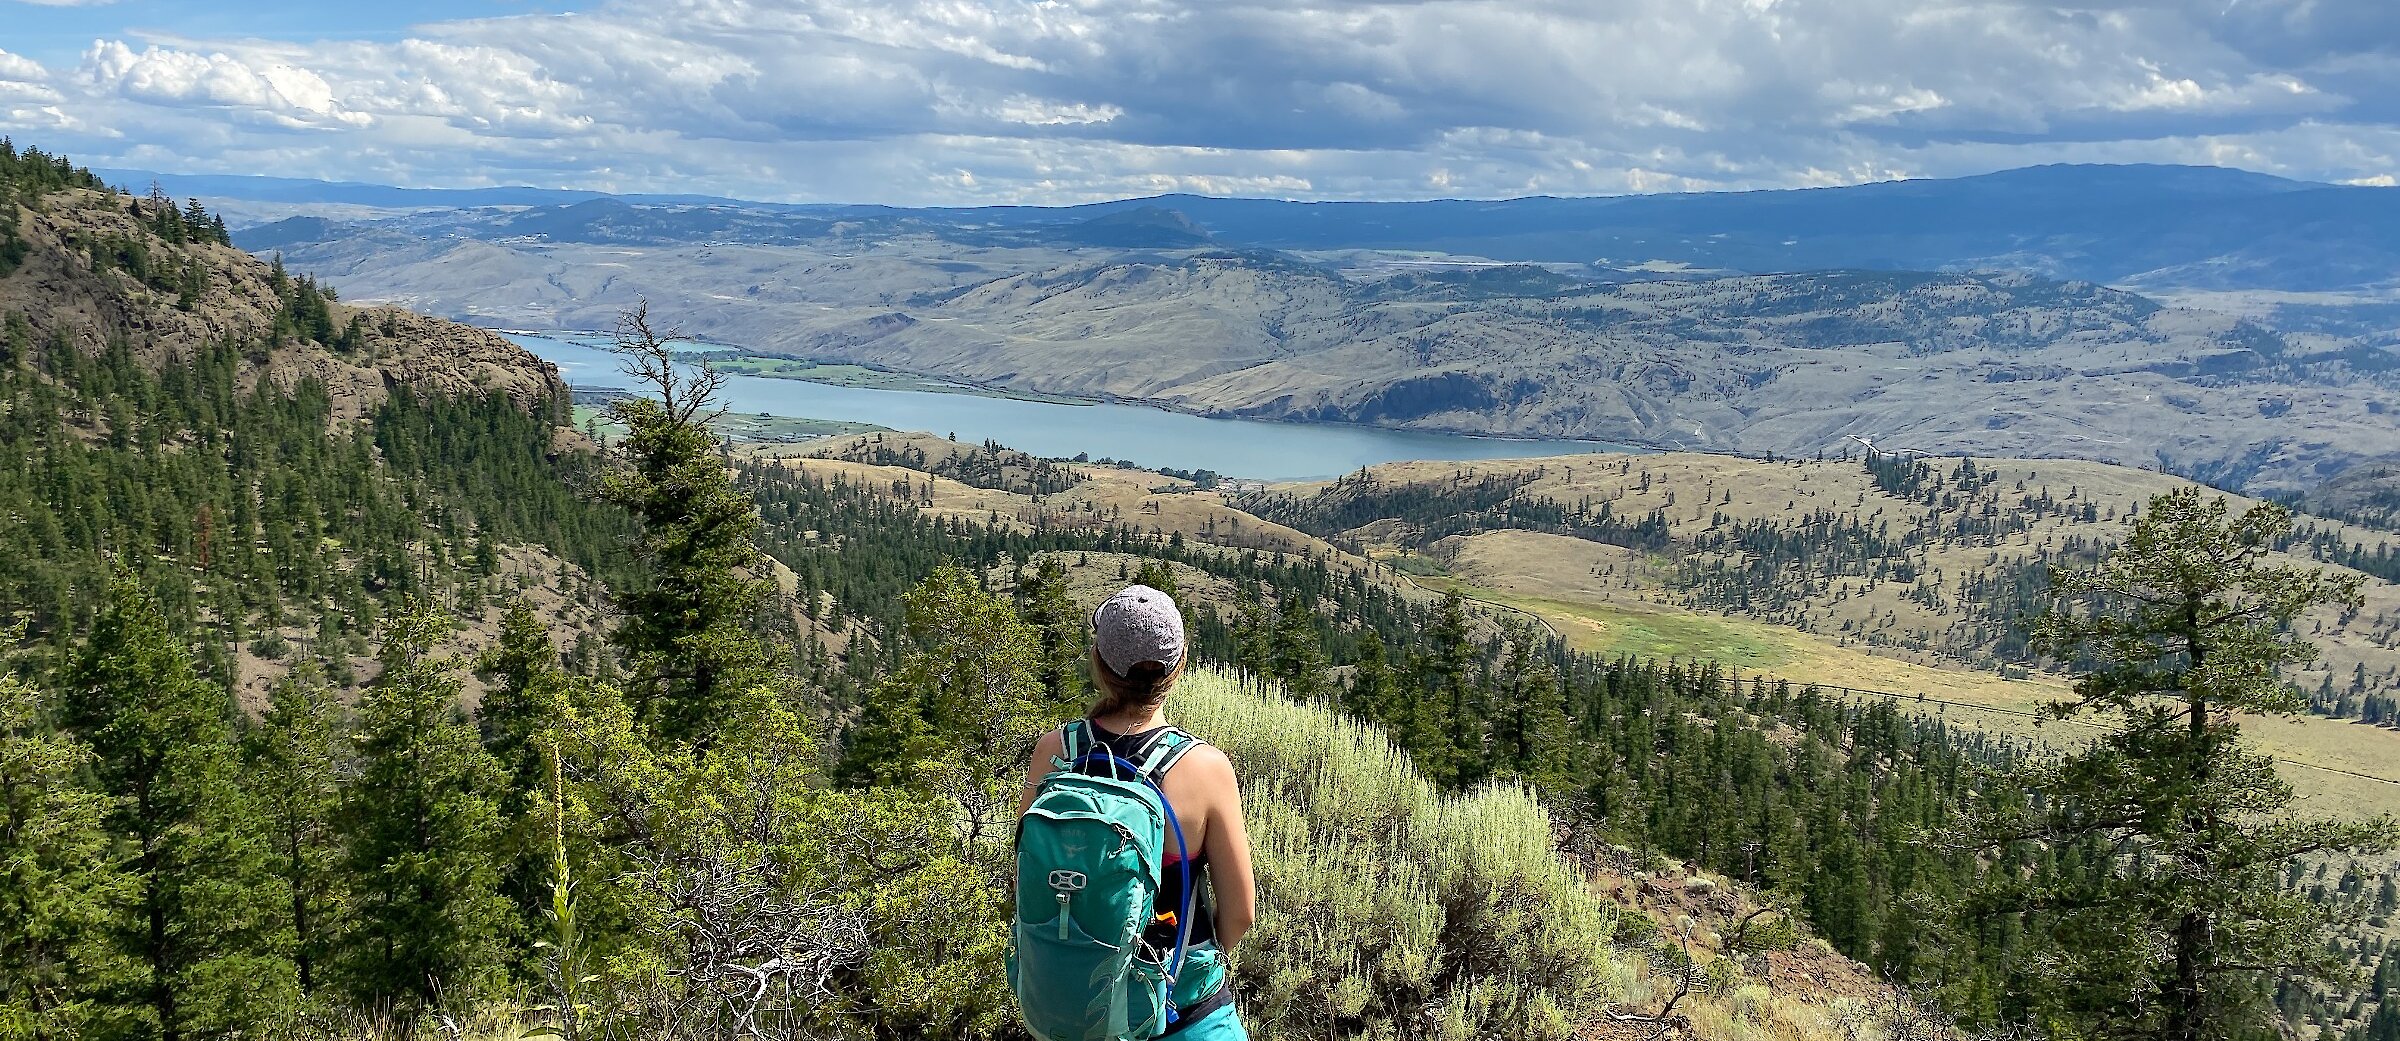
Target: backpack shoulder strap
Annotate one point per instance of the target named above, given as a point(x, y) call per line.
point(1072, 739)
point(1166, 750)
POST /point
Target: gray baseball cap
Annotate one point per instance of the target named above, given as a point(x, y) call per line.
point(1138, 625)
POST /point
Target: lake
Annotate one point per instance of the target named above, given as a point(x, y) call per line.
point(1151, 437)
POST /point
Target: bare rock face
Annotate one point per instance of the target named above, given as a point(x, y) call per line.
point(428, 355)
point(63, 291)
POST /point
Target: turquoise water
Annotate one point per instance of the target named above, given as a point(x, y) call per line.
point(1149, 436)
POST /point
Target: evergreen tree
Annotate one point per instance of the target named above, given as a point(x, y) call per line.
point(1158, 575)
point(55, 882)
point(421, 824)
point(1445, 734)
point(965, 693)
point(1531, 735)
point(2384, 1025)
point(297, 765)
point(203, 920)
point(688, 632)
point(1373, 687)
point(1295, 653)
point(527, 689)
point(1043, 603)
point(524, 690)
point(2183, 919)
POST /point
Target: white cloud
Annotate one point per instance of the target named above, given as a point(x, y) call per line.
point(1032, 111)
point(16, 68)
point(1064, 100)
point(283, 94)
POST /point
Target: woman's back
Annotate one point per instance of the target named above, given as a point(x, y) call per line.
point(1137, 655)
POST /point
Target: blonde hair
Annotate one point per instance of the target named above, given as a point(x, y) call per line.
point(1145, 686)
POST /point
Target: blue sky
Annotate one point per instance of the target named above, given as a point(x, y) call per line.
point(56, 33)
point(1048, 101)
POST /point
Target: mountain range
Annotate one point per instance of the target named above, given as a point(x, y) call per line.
point(2226, 324)
point(2165, 226)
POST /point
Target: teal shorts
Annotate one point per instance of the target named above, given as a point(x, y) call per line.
point(1222, 1025)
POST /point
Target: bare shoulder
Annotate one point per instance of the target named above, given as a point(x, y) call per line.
point(1047, 750)
point(1208, 763)
point(1051, 742)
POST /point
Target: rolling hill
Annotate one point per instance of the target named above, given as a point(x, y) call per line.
point(1702, 557)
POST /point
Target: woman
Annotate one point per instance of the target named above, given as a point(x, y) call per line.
point(1137, 655)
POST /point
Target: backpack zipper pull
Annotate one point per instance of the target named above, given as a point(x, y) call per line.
point(1064, 883)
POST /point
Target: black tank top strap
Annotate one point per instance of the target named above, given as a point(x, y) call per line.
point(1153, 751)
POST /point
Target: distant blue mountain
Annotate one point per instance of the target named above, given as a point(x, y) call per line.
point(356, 193)
point(2161, 226)
point(2101, 223)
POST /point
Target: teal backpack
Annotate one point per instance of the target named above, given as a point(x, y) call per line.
point(1089, 854)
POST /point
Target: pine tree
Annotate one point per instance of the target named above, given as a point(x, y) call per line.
point(297, 764)
point(525, 687)
point(1373, 688)
point(1446, 734)
point(688, 633)
point(1158, 575)
point(1043, 603)
point(203, 921)
point(526, 691)
point(1530, 729)
point(2384, 1025)
point(420, 825)
point(55, 882)
point(966, 693)
point(2184, 920)
point(1295, 654)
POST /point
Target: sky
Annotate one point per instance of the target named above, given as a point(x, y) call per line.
point(1064, 101)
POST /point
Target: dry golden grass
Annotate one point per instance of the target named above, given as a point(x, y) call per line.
point(1147, 501)
point(1611, 600)
point(1693, 491)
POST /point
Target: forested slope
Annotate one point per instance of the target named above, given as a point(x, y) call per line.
point(1934, 561)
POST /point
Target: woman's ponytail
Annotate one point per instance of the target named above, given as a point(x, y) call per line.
point(1144, 686)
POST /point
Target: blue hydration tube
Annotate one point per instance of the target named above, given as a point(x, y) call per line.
point(1183, 853)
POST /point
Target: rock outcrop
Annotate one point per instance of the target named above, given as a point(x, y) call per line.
point(75, 284)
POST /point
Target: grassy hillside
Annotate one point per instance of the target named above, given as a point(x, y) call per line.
point(1632, 583)
point(1931, 562)
point(1563, 580)
point(1913, 578)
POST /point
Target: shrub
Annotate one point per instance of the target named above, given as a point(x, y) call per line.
point(1386, 906)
